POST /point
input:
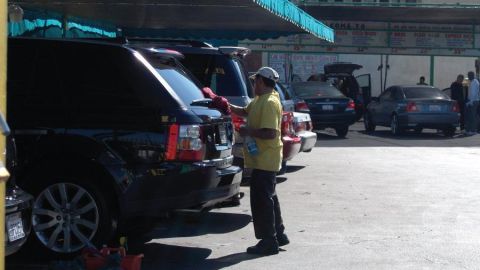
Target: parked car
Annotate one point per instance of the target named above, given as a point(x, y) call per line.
point(415, 107)
point(108, 132)
point(357, 88)
point(221, 69)
point(302, 123)
point(291, 142)
point(329, 108)
point(18, 203)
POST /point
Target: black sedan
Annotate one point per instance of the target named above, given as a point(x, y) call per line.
point(329, 108)
point(413, 107)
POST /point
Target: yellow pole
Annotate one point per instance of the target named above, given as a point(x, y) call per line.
point(3, 73)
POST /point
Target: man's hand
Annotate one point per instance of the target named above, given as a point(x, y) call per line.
point(240, 111)
point(244, 131)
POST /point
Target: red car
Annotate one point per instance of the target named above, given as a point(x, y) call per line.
point(291, 142)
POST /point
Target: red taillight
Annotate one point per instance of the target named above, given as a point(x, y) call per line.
point(412, 107)
point(238, 121)
point(172, 142)
point(185, 143)
point(455, 107)
point(287, 124)
point(301, 106)
point(350, 105)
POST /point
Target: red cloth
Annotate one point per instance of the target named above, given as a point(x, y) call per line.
point(208, 93)
point(218, 102)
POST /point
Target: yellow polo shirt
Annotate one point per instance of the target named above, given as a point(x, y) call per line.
point(265, 111)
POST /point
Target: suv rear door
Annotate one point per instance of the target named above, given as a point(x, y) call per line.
point(217, 129)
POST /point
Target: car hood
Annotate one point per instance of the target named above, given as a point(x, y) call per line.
point(336, 68)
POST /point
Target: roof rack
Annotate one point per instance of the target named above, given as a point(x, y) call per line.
point(191, 43)
point(119, 40)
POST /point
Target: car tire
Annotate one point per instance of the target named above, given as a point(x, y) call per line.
point(367, 121)
point(418, 130)
point(341, 131)
point(74, 209)
point(395, 125)
point(449, 132)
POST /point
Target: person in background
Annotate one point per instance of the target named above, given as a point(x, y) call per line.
point(472, 105)
point(264, 118)
point(456, 89)
point(422, 81)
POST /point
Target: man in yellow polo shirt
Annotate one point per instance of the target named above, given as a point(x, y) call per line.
point(264, 118)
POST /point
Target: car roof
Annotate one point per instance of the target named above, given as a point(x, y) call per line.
point(404, 86)
point(108, 42)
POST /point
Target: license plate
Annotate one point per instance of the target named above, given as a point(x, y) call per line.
point(434, 108)
point(327, 107)
point(223, 134)
point(15, 227)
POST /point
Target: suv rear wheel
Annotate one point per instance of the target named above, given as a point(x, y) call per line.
point(341, 131)
point(69, 214)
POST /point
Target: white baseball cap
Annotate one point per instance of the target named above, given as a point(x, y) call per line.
point(267, 72)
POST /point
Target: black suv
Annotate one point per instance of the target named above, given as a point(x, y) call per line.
point(220, 68)
point(107, 132)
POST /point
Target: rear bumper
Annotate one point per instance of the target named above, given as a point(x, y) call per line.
point(291, 146)
point(421, 120)
point(197, 185)
point(322, 121)
point(309, 139)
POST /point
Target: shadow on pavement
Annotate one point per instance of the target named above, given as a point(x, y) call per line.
point(187, 224)
point(294, 168)
point(382, 137)
point(281, 179)
point(411, 135)
point(160, 256)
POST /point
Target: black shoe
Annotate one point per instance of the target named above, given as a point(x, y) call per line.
point(264, 247)
point(282, 239)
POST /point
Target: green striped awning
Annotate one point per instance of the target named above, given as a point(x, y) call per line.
point(250, 19)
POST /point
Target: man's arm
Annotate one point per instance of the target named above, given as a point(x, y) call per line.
point(240, 111)
point(261, 133)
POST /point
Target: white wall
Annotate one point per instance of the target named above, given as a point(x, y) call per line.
point(447, 68)
point(407, 69)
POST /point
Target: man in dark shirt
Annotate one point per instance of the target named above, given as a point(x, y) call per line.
point(457, 94)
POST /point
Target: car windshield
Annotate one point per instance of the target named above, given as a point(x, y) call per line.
point(423, 92)
point(315, 89)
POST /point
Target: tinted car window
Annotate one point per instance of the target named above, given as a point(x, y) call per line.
point(420, 92)
point(398, 94)
point(308, 89)
point(284, 91)
point(387, 95)
point(180, 83)
point(224, 75)
point(279, 91)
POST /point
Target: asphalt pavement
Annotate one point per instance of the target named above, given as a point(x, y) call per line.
point(369, 201)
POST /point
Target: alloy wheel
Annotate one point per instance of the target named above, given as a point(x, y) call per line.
point(65, 217)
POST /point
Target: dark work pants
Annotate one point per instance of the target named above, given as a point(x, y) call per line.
point(267, 217)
